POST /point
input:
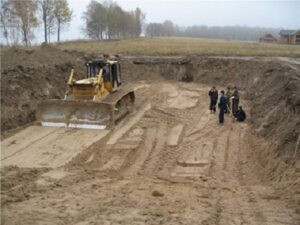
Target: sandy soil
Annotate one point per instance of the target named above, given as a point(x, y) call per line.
point(169, 162)
point(38, 146)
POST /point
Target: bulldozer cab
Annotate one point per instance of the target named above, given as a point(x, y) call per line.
point(93, 67)
point(111, 71)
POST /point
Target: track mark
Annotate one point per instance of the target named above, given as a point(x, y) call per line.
point(142, 153)
point(174, 135)
point(120, 131)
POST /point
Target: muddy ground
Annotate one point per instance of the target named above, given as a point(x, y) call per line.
point(169, 162)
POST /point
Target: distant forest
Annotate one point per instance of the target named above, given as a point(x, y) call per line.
point(227, 32)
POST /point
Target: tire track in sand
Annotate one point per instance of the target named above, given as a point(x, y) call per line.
point(152, 163)
point(136, 159)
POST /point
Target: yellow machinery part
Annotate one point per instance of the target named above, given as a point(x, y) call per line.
point(108, 86)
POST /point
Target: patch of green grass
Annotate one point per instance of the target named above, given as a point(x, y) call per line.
point(182, 46)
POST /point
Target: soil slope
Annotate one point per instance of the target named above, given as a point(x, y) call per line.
point(28, 76)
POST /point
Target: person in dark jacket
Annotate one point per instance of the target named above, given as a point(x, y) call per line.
point(222, 106)
point(235, 101)
point(240, 114)
point(213, 94)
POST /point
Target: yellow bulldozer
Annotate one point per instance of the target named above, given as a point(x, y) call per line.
point(96, 102)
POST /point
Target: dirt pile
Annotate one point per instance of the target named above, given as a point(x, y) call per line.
point(28, 76)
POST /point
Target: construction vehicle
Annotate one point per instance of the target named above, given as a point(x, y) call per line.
point(96, 102)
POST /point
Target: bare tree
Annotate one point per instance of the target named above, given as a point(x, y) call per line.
point(14, 34)
point(154, 30)
point(139, 21)
point(51, 27)
point(110, 19)
point(113, 12)
point(168, 28)
point(128, 24)
point(46, 8)
point(9, 23)
point(95, 20)
point(25, 14)
point(5, 15)
point(62, 15)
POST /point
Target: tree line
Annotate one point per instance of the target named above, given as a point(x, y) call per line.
point(103, 20)
point(19, 18)
point(168, 28)
point(108, 20)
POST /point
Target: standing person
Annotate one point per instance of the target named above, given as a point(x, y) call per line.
point(228, 99)
point(235, 101)
point(213, 94)
point(222, 106)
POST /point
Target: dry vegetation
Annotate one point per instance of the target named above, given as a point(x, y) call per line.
point(182, 46)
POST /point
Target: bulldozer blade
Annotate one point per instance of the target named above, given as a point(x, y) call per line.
point(75, 114)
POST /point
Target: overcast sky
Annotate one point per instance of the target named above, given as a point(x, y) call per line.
point(272, 14)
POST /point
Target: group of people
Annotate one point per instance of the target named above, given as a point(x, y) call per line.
point(228, 103)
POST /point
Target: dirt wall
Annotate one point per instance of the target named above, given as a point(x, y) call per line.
point(272, 88)
point(28, 76)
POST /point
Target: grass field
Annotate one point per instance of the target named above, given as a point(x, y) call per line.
point(182, 46)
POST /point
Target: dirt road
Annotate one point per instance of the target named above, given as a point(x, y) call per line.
point(169, 162)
